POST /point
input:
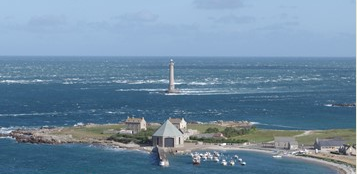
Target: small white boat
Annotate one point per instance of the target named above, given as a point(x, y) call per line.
point(162, 163)
point(216, 154)
point(224, 162)
point(236, 156)
point(277, 156)
point(216, 159)
point(196, 161)
point(240, 159)
point(231, 162)
point(210, 157)
point(243, 163)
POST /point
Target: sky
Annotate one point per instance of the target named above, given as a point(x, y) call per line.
point(318, 28)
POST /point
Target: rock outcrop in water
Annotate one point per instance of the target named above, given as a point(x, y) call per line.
point(31, 136)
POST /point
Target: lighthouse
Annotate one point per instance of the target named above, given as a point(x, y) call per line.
point(171, 88)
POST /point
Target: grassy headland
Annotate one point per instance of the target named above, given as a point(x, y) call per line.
point(257, 136)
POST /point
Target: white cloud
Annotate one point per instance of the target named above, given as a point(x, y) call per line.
point(218, 4)
point(141, 16)
point(234, 19)
point(47, 21)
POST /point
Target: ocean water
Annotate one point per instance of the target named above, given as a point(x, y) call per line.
point(274, 93)
point(30, 158)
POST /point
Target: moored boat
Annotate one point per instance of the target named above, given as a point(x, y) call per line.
point(196, 161)
point(224, 162)
point(231, 162)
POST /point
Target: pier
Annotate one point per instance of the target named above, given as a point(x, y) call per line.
point(162, 155)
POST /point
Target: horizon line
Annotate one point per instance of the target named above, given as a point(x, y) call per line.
point(169, 56)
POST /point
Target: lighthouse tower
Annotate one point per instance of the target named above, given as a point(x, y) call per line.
point(172, 80)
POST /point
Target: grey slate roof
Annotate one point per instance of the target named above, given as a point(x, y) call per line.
point(176, 120)
point(327, 142)
point(167, 130)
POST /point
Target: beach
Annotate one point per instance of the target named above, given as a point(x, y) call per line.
point(343, 169)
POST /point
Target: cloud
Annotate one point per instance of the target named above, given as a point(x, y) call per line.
point(282, 26)
point(141, 16)
point(288, 7)
point(234, 19)
point(218, 4)
point(47, 21)
point(37, 24)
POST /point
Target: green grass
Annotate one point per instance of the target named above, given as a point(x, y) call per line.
point(257, 136)
point(202, 127)
point(349, 135)
point(263, 135)
point(89, 131)
point(95, 131)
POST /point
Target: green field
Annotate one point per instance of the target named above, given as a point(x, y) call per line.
point(95, 131)
point(263, 135)
point(349, 135)
point(203, 127)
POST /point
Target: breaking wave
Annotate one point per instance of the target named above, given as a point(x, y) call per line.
point(34, 81)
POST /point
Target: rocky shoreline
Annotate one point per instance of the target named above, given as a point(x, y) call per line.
point(47, 136)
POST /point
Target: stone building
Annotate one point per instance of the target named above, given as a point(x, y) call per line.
point(168, 136)
point(347, 149)
point(135, 124)
point(285, 143)
point(179, 123)
point(328, 144)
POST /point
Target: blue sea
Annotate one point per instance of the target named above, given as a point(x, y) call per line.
point(274, 93)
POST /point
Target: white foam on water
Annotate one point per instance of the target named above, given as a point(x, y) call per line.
point(6, 131)
point(26, 114)
point(146, 90)
point(198, 83)
point(148, 81)
point(255, 123)
point(120, 81)
point(115, 112)
point(25, 81)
